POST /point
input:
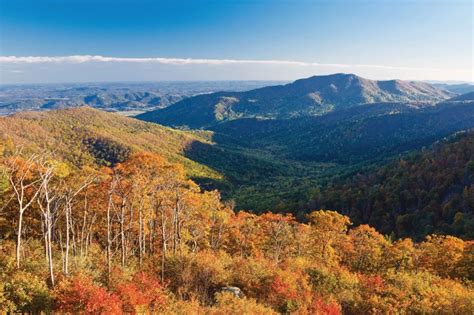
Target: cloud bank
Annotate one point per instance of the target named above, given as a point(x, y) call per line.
point(186, 61)
point(87, 67)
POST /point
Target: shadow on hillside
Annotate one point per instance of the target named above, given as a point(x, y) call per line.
point(237, 167)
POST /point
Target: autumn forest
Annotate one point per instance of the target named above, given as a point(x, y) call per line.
point(134, 234)
point(236, 157)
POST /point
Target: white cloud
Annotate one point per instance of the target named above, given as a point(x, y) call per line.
point(79, 59)
point(160, 60)
point(88, 68)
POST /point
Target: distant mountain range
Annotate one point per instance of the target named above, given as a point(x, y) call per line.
point(130, 98)
point(313, 96)
point(460, 88)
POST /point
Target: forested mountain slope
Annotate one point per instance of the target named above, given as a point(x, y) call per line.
point(460, 88)
point(431, 191)
point(464, 97)
point(306, 97)
point(263, 166)
point(357, 134)
point(85, 135)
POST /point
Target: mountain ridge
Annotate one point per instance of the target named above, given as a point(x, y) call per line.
point(313, 96)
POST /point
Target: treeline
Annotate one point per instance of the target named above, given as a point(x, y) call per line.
point(139, 237)
point(428, 192)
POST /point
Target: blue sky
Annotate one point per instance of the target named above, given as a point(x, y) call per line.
point(377, 39)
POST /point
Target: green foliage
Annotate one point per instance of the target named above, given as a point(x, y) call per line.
point(337, 283)
point(427, 192)
point(26, 291)
point(106, 151)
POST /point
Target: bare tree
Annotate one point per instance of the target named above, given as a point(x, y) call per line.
point(48, 202)
point(69, 195)
point(24, 182)
point(110, 204)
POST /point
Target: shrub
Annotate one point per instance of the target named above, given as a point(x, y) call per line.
point(26, 291)
point(80, 294)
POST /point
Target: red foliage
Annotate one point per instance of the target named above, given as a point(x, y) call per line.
point(80, 294)
point(282, 289)
point(373, 283)
point(144, 292)
point(320, 307)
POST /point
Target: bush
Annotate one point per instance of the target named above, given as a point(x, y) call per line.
point(25, 292)
point(80, 294)
point(227, 303)
point(144, 293)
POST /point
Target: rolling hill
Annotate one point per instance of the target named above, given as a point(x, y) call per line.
point(463, 97)
point(313, 96)
point(460, 88)
point(83, 135)
point(129, 98)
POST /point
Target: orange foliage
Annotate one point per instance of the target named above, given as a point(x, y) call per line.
point(143, 293)
point(80, 294)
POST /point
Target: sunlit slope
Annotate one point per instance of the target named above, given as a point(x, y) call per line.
point(68, 131)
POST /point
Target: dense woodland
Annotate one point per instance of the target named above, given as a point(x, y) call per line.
point(274, 164)
point(427, 192)
point(130, 233)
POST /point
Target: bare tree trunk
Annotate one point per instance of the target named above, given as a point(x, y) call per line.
point(66, 260)
point(151, 239)
point(18, 172)
point(109, 241)
point(50, 251)
point(61, 246)
point(43, 230)
point(163, 244)
point(122, 230)
point(49, 220)
point(88, 235)
point(140, 234)
point(109, 229)
point(129, 244)
point(18, 240)
point(84, 221)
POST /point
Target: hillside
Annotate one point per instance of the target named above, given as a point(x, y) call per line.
point(352, 135)
point(461, 88)
point(464, 97)
point(260, 164)
point(140, 237)
point(306, 97)
point(431, 191)
point(85, 135)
